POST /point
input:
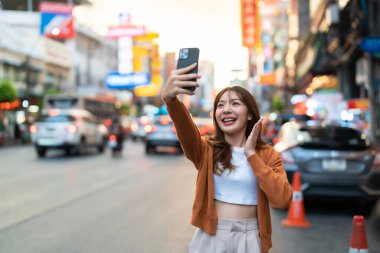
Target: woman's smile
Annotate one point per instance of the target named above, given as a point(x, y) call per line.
point(228, 121)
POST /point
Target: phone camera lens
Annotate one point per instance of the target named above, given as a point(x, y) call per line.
point(183, 53)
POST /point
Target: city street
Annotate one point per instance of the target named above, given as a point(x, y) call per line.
point(133, 203)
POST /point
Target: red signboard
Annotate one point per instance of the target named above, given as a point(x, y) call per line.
point(50, 7)
point(250, 23)
point(116, 32)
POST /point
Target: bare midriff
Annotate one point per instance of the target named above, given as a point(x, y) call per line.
point(235, 211)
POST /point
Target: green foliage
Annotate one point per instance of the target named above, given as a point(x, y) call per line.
point(8, 92)
point(277, 103)
point(125, 109)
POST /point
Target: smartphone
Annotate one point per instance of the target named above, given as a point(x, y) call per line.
point(188, 56)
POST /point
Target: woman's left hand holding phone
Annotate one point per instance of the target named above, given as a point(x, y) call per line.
point(178, 81)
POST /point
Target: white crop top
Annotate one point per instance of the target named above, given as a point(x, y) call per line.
point(238, 186)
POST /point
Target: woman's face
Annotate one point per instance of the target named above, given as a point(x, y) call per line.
point(231, 114)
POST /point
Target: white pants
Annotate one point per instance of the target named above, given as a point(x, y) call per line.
point(232, 236)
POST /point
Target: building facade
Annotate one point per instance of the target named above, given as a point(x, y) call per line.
point(37, 65)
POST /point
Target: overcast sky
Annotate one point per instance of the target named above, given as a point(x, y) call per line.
point(212, 25)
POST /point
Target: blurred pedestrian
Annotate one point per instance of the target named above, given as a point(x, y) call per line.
point(239, 175)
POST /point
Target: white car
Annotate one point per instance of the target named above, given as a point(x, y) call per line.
point(72, 130)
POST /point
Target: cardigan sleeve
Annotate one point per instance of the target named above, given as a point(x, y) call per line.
point(187, 132)
point(272, 179)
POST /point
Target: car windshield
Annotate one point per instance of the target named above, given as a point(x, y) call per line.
point(57, 118)
point(332, 137)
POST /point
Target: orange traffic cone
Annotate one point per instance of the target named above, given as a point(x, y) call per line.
point(296, 213)
point(358, 242)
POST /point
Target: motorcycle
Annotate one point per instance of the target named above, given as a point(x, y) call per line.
point(115, 144)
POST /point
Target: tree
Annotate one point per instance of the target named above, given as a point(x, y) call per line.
point(277, 103)
point(8, 92)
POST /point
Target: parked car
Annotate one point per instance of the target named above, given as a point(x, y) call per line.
point(332, 160)
point(160, 133)
point(72, 130)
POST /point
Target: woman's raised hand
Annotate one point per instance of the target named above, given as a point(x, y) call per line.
point(178, 81)
point(250, 145)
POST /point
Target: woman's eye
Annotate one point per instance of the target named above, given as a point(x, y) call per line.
point(219, 106)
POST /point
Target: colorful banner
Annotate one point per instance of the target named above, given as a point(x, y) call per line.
point(56, 20)
point(250, 24)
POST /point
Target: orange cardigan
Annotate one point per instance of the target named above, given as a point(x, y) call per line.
point(274, 187)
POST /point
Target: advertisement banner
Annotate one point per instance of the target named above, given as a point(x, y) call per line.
point(56, 20)
point(117, 80)
point(115, 32)
point(250, 24)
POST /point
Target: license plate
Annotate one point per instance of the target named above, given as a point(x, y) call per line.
point(334, 164)
point(45, 142)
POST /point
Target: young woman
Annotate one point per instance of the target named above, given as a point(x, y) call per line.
point(238, 174)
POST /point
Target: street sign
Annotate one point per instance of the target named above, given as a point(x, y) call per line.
point(56, 20)
point(371, 44)
point(117, 80)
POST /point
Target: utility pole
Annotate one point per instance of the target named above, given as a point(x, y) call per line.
point(30, 5)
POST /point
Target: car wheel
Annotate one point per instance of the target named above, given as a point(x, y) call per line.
point(41, 152)
point(80, 148)
point(68, 151)
point(368, 206)
point(102, 145)
point(101, 149)
point(149, 148)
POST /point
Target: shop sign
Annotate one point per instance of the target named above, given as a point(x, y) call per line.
point(115, 32)
point(57, 21)
point(358, 104)
point(8, 106)
point(117, 80)
point(371, 44)
point(250, 23)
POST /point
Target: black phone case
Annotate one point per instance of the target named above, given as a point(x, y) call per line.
point(193, 57)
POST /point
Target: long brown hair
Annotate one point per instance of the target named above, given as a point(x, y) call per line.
point(222, 153)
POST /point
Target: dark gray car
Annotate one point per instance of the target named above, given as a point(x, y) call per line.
point(332, 160)
point(161, 133)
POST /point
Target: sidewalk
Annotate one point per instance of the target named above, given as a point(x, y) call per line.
point(12, 143)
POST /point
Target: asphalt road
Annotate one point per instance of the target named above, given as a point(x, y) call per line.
point(133, 203)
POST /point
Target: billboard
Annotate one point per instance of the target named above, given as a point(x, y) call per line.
point(250, 23)
point(117, 80)
point(115, 32)
point(56, 20)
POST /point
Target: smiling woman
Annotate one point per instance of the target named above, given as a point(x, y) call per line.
point(230, 210)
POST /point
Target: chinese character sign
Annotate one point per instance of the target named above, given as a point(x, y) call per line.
point(250, 23)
